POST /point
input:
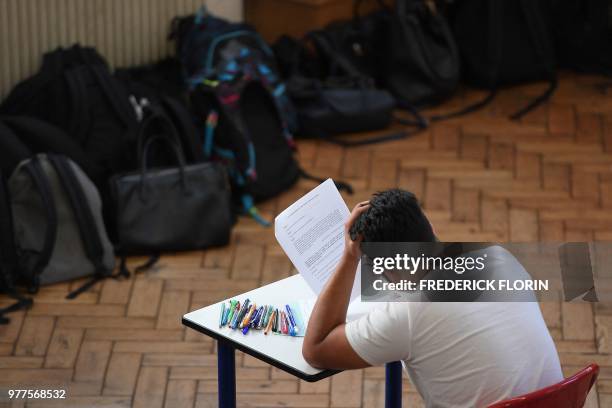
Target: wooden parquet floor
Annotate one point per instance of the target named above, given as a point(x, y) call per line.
point(480, 177)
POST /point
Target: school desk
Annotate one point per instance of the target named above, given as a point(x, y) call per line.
point(283, 352)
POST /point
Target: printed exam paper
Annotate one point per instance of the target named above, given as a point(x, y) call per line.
point(311, 232)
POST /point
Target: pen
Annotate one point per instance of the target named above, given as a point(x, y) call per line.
point(222, 314)
point(270, 311)
point(261, 324)
point(244, 310)
point(230, 314)
point(253, 322)
point(258, 318)
point(237, 311)
point(264, 315)
point(270, 322)
point(245, 328)
point(292, 320)
point(269, 315)
point(276, 322)
point(249, 315)
point(283, 323)
point(229, 310)
point(238, 316)
point(288, 324)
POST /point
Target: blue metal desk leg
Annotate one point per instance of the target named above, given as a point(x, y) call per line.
point(226, 365)
point(393, 385)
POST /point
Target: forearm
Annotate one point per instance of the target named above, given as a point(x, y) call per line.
point(331, 307)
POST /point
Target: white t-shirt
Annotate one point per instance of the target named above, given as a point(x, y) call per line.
point(461, 354)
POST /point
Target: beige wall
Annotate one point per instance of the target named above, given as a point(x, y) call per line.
point(231, 9)
point(126, 32)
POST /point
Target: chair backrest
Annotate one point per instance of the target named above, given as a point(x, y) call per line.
point(569, 393)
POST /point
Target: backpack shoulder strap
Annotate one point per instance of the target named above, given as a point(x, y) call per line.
point(540, 40)
point(117, 99)
point(8, 250)
point(12, 150)
point(36, 172)
point(79, 100)
point(8, 256)
point(186, 129)
point(334, 57)
point(88, 229)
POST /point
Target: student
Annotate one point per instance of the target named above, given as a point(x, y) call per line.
point(456, 354)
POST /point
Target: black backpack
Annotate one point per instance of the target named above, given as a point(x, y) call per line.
point(98, 113)
point(583, 33)
point(506, 42)
point(331, 95)
point(241, 106)
point(76, 91)
point(408, 48)
point(22, 136)
point(158, 87)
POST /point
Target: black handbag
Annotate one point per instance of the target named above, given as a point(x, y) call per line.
point(333, 97)
point(171, 209)
point(331, 108)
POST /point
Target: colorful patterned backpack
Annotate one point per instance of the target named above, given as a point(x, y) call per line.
point(240, 102)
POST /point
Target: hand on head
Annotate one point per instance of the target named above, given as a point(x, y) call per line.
point(351, 247)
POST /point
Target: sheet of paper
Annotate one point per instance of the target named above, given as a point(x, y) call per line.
point(311, 232)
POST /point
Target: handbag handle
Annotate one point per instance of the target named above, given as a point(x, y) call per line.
point(318, 38)
point(176, 147)
point(37, 174)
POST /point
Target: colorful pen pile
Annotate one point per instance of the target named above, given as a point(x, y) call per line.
point(247, 316)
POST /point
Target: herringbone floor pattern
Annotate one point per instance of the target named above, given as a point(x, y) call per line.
point(480, 177)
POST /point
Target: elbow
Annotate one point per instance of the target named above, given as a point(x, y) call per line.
point(311, 356)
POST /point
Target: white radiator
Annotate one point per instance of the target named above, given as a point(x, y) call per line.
point(126, 32)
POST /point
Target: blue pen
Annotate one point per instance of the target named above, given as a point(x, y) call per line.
point(294, 328)
point(258, 317)
point(246, 328)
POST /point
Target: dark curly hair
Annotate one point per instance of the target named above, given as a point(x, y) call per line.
point(394, 216)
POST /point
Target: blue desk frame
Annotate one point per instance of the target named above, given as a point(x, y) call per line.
point(226, 365)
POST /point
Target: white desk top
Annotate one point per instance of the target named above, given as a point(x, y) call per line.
point(284, 352)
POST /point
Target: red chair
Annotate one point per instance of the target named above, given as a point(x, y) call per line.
point(569, 393)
